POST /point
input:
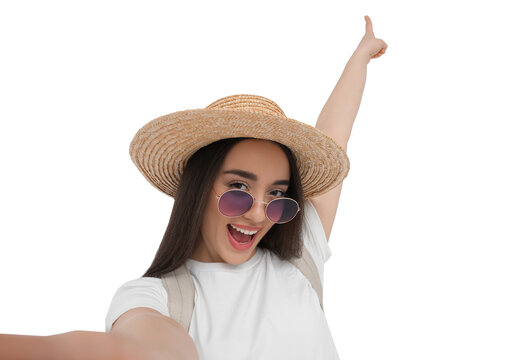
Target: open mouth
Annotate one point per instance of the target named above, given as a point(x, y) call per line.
point(239, 240)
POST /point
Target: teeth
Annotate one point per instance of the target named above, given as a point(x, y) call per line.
point(247, 232)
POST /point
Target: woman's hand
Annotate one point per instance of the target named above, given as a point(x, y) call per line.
point(370, 47)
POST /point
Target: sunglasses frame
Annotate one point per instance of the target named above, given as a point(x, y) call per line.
point(257, 201)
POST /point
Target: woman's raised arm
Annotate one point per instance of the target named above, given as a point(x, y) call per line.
point(338, 115)
point(339, 112)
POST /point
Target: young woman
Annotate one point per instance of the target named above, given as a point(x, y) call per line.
point(255, 196)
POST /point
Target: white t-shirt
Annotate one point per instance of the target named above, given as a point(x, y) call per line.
point(264, 308)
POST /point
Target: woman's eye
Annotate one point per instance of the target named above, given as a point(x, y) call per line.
point(280, 193)
point(236, 184)
point(275, 193)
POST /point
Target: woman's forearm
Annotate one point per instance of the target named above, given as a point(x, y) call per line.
point(340, 110)
point(21, 347)
point(74, 345)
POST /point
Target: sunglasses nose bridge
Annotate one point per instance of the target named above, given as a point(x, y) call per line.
point(260, 201)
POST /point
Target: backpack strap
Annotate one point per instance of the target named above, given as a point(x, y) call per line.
point(181, 291)
point(181, 295)
point(309, 269)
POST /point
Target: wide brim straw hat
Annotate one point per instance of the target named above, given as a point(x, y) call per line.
point(162, 147)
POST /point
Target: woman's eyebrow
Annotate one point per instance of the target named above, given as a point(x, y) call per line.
point(253, 177)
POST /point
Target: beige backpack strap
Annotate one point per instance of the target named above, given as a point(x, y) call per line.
point(181, 295)
point(308, 268)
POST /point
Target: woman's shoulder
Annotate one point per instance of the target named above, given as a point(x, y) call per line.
point(143, 286)
point(144, 281)
point(313, 233)
point(140, 292)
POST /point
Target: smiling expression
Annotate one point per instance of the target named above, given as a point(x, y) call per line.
point(259, 167)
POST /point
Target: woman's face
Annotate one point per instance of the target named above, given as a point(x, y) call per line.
point(264, 164)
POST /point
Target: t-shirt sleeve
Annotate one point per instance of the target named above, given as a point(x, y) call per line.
point(142, 292)
point(314, 237)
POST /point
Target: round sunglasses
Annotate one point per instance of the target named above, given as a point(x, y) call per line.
point(235, 202)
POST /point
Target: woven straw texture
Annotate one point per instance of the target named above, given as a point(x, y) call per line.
point(161, 148)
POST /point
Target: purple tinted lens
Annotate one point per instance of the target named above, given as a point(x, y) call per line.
point(235, 203)
point(282, 210)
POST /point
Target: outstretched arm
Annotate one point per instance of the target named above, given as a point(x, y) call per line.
point(337, 116)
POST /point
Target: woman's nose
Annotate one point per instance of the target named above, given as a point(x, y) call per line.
point(257, 213)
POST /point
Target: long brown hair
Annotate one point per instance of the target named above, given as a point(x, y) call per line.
point(183, 231)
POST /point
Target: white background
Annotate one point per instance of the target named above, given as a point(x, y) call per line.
point(422, 264)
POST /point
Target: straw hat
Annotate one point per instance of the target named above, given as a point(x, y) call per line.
point(161, 148)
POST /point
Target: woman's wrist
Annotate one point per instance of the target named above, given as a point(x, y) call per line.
point(360, 56)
